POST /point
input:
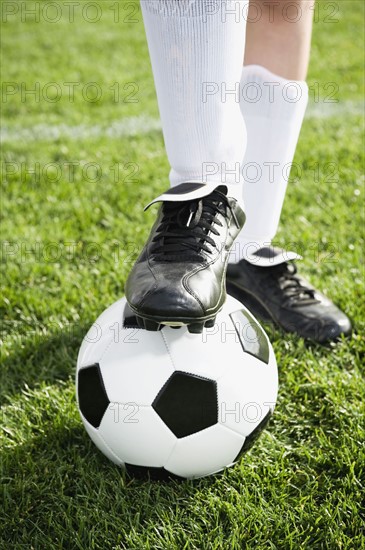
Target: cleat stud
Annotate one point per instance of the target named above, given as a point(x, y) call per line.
point(210, 323)
point(151, 325)
point(196, 328)
point(140, 321)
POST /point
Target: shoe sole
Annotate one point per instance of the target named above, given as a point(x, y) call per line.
point(194, 325)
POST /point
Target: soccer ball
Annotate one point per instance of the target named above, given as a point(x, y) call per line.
point(170, 403)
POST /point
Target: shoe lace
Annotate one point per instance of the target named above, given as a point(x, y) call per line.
point(183, 233)
point(292, 287)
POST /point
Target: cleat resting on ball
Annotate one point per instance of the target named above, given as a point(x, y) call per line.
point(179, 278)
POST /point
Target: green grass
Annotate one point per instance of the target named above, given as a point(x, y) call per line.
point(301, 485)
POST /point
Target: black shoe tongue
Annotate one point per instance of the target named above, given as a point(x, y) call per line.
point(270, 256)
point(185, 188)
point(189, 191)
point(198, 190)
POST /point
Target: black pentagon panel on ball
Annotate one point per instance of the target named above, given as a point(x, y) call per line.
point(155, 474)
point(187, 403)
point(93, 399)
point(253, 339)
point(250, 439)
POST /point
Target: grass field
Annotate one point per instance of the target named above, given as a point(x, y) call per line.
point(71, 230)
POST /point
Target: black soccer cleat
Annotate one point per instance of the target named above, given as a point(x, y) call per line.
point(278, 294)
point(179, 278)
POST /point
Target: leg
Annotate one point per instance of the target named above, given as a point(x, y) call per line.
point(280, 39)
point(196, 49)
point(196, 54)
point(277, 49)
point(276, 62)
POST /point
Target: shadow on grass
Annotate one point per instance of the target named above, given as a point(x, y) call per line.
point(41, 358)
point(58, 488)
point(61, 492)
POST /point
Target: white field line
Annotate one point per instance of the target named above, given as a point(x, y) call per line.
point(141, 125)
point(125, 127)
point(333, 110)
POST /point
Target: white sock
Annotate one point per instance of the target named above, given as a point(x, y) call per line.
point(196, 49)
point(273, 109)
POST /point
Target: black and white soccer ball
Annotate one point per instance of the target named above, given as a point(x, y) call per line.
point(172, 403)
